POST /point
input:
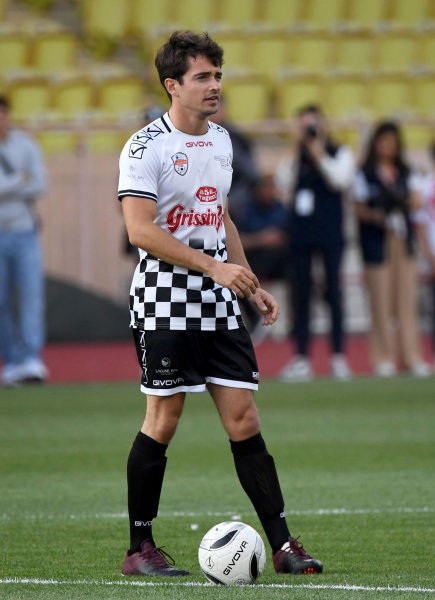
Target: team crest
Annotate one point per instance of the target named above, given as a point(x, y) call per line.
point(180, 163)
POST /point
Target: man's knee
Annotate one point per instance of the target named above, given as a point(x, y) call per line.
point(243, 423)
point(162, 417)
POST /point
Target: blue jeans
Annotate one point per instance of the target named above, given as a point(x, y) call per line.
point(22, 319)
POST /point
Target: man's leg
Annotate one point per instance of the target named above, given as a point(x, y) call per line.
point(145, 471)
point(257, 474)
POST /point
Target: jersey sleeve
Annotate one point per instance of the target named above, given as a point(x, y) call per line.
point(139, 168)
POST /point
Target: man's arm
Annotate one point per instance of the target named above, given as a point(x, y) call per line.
point(264, 301)
point(139, 214)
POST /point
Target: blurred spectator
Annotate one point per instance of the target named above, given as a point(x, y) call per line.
point(425, 221)
point(317, 173)
point(22, 328)
point(263, 237)
point(386, 193)
point(245, 170)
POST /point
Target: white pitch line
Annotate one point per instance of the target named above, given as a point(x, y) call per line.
point(230, 514)
point(308, 586)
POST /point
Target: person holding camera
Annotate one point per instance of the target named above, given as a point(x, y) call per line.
point(386, 194)
point(317, 175)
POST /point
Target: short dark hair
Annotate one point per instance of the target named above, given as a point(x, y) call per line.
point(172, 58)
point(4, 103)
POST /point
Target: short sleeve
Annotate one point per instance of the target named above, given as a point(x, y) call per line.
point(139, 168)
point(360, 190)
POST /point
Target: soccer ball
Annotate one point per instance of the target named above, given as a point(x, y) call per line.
point(231, 553)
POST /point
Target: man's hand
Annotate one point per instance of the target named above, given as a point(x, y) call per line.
point(267, 305)
point(316, 147)
point(235, 277)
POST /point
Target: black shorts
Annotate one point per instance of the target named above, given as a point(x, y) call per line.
point(185, 361)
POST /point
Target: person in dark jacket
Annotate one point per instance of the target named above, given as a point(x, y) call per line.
point(318, 173)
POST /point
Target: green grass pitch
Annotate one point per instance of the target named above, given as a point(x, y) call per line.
point(356, 462)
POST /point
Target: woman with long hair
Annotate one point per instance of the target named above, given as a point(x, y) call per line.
point(386, 194)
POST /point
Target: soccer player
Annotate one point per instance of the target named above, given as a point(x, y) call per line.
point(175, 176)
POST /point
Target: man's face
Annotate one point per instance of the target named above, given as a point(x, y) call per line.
point(200, 88)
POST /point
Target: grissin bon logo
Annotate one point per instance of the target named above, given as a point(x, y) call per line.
point(207, 194)
point(179, 217)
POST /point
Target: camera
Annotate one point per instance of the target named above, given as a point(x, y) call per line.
point(311, 132)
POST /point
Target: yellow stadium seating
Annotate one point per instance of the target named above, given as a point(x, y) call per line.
point(57, 143)
point(390, 96)
point(247, 100)
point(321, 14)
point(105, 141)
point(395, 53)
point(347, 97)
point(417, 135)
point(236, 52)
point(14, 51)
point(409, 14)
point(366, 14)
point(423, 96)
point(426, 51)
point(267, 53)
point(196, 15)
point(30, 99)
point(310, 53)
point(281, 14)
point(119, 96)
point(237, 14)
point(353, 53)
point(54, 51)
point(101, 17)
point(295, 92)
point(149, 15)
point(73, 98)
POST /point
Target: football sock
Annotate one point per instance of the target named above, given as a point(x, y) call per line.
point(257, 473)
point(145, 470)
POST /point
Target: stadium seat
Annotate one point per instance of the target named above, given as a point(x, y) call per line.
point(196, 15)
point(58, 143)
point(248, 101)
point(14, 51)
point(120, 96)
point(237, 14)
point(54, 51)
point(310, 53)
point(347, 97)
point(31, 99)
point(395, 53)
point(105, 141)
point(295, 92)
point(73, 99)
point(423, 95)
point(267, 53)
point(281, 14)
point(236, 52)
point(99, 18)
point(426, 52)
point(353, 53)
point(149, 16)
point(390, 97)
point(417, 135)
point(319, 14)
point(366, 14)
point(410, 14)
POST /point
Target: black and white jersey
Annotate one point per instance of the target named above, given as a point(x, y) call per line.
point(189, 177)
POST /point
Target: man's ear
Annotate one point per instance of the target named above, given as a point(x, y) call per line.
point(172, 86)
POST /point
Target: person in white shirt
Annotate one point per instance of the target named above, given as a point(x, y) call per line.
point(175, 175)
point(22, 303)
point(386, 194)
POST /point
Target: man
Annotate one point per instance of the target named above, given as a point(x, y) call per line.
point(175, 175)
point(22, 179)
point(318, 174)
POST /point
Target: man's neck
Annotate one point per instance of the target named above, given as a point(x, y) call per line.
point(188, 122)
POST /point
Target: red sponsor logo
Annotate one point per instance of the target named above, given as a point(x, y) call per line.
point(179, 217)
point(207, 194)
point(198, 144)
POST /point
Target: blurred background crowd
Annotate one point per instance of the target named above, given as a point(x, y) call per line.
point(331, 110)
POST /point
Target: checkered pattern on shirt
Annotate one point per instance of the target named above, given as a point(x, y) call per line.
point(165, 296)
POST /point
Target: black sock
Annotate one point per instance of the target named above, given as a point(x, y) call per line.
point(145, 470)
point(257, 473)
